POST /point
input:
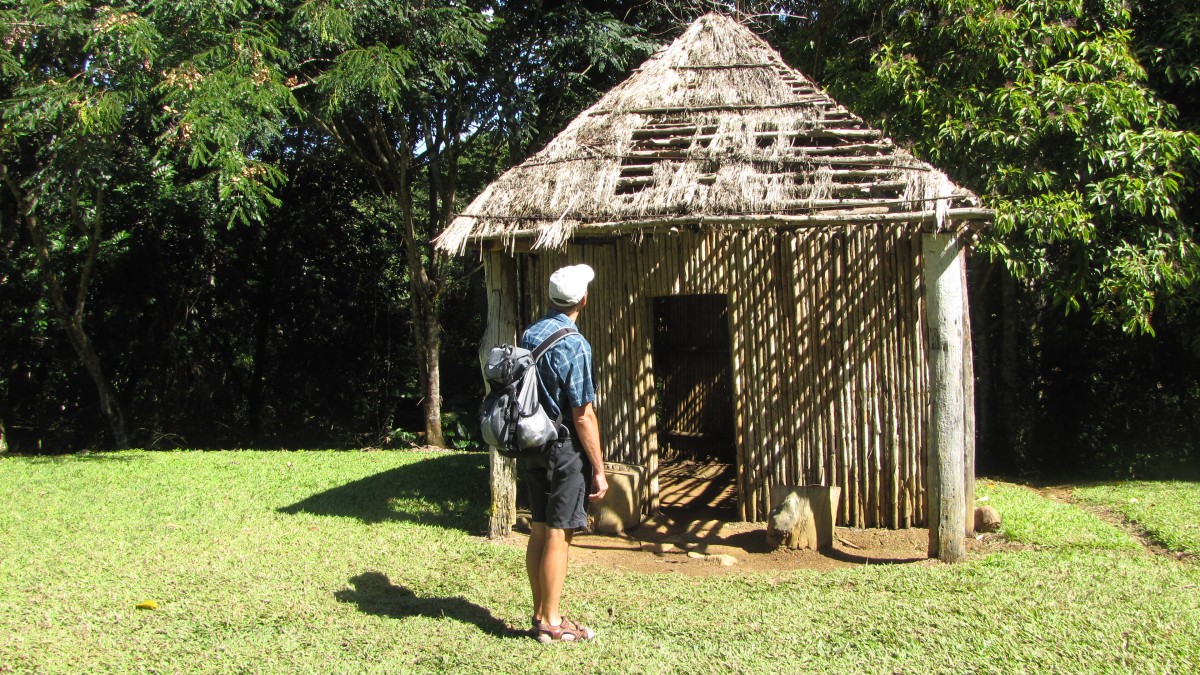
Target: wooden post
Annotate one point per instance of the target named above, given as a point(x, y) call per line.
point(968, 354)
point(500, 276)
point(943, 260)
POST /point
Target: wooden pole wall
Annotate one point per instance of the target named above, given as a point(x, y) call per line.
point(827, 355)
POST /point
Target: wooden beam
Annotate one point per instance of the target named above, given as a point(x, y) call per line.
point(942, 256)
point(723, 66)
point(803, 102)
point(500, 276)
point(782, 221)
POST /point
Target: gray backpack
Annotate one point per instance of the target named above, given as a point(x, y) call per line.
point(512, 419)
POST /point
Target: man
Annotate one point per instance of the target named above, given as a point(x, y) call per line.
point(559, 478)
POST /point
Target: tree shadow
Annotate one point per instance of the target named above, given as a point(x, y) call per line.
point(448, 491)
point(94, 457)
point(375, 594)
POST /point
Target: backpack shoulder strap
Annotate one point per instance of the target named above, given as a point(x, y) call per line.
point(537, 355)
point(549, 341)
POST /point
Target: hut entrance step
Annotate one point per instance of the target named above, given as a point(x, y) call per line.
point(699, 488)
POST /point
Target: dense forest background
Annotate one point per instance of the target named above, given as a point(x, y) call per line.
point(215, 216)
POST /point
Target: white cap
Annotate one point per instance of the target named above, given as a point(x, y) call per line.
point(569, 284)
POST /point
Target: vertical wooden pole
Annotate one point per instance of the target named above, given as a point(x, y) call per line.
point(942, 263)
point(500, 276)
point(968, 354)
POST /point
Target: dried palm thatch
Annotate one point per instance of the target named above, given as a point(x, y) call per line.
point(713, 130)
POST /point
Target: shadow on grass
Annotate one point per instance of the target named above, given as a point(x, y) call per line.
point(445, 490)
point(375, 594)
point(115, 456)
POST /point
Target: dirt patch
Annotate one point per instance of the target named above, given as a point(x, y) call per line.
point(1135, 530)
point(697, 533)
point(705, 547)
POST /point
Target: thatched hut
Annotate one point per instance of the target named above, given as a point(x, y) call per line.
point(763, 259)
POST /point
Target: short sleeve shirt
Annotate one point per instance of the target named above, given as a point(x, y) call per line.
point(564, 372)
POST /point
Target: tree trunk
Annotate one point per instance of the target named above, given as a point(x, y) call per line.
point(431, 350)
point(943, 259)
point(427, 326)
point(109, 403)
point(72, 322)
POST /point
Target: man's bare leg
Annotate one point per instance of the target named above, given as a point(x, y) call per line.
point(533, 564)
point(546, 564)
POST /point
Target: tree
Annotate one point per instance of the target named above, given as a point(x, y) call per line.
point(403, 88)
point(1060, 115)
point(76, 81)
point(1044, 109)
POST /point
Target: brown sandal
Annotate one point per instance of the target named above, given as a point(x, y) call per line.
point(566, 631)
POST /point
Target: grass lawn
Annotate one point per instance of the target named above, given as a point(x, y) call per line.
point(371, 561)
point(1169, 511)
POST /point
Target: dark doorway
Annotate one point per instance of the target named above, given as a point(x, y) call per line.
point(696, 440)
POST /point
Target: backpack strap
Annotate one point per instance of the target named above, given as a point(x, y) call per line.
point(537, 355)
point(549, 341)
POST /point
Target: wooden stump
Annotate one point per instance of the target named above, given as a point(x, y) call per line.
point(802, 516)
point(621, 509)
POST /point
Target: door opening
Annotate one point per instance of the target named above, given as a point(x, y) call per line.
point(693, 379)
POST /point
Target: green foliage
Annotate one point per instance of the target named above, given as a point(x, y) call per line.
point(1046, 111)
point(1167, 34)
point(226, 102)
point(344, 134)
point(1054, 123)
point(1063, 116)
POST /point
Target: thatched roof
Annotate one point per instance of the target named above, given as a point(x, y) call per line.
point(713, 130)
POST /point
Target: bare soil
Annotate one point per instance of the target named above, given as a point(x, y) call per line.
point(697, 547)
point(697, 533)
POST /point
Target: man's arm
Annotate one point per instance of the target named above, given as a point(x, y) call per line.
point(588, 429)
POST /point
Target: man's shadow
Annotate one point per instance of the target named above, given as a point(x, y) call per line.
point(375, 594)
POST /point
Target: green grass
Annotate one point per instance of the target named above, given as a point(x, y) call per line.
point(370, 562)
point(1169, 511)
point(1029, 518)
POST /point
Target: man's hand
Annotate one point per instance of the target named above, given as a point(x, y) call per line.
point(599, 486)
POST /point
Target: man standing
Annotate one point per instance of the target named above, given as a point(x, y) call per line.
point(573, 466)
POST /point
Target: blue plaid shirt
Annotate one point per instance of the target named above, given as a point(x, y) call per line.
point(565, 372)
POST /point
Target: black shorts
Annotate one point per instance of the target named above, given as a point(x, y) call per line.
point(557, 481)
